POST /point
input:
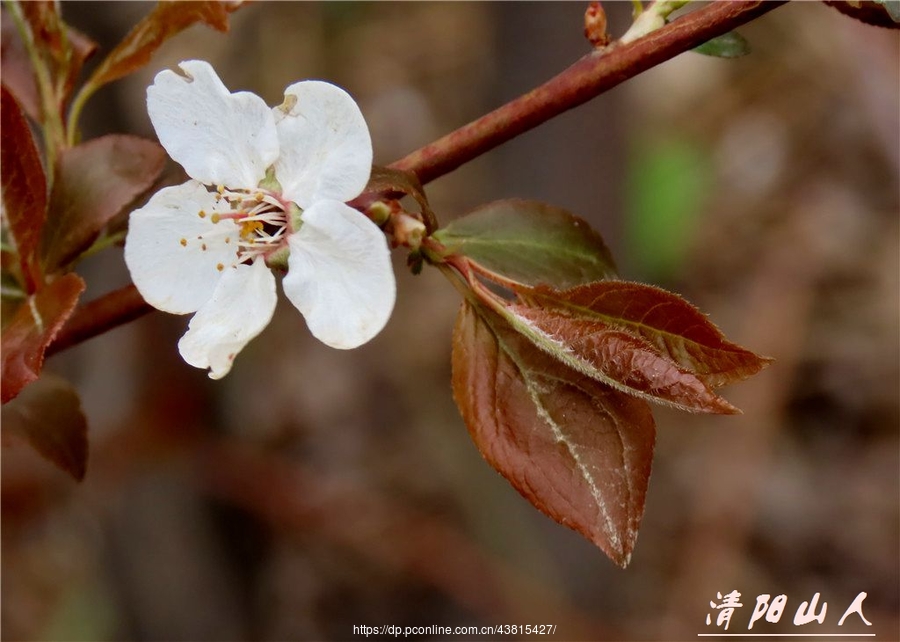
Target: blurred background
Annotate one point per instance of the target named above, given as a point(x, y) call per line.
point(312, 489)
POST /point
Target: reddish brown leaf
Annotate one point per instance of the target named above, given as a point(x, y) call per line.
point(16, 70)
point(32, 328)
point(616, 357)
point(94, 182)
point(42, 22)
point(43, 19)
point(578, 450)
point(670, 324)
point(63, 48)
point(48, 416)
point(166, 20)
point(82, 48)
point(24, 187)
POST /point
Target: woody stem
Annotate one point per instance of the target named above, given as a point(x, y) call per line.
point(592, 75)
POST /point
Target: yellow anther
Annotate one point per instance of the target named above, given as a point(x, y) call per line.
point(215, 218)
point(220, 267)
point(249, 228)
point(201, 214)
point(227, 240)
point(259, 197)
point(220, 189)
point(183, 242)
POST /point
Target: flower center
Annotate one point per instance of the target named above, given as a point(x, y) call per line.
point(262, 218)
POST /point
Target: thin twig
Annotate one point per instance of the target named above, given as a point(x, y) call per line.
point(102, 314)
point(592, 75)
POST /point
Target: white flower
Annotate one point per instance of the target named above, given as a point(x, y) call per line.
point(265, 182)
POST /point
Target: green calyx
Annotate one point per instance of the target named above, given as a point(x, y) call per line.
point(278, 260)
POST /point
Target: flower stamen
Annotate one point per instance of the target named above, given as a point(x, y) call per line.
point(249, 230)
point(262, 219)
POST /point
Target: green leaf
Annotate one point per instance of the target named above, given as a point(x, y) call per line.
point(95, 181)
point(34, 325)
point(530, 243)
point(24, 188)
point(671, 325)
point(48, 416)
point(578, 450)
point(728, 45)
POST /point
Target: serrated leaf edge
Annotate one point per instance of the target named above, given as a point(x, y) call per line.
point(613, 540)
point(560, 436)
point(667, 341)
point(567, 356)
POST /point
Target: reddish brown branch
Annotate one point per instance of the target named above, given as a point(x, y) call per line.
point(586, 79)
point(594, 74)
point(102, 314)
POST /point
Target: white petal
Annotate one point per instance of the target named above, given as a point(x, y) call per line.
point(340, 275)
point(174, 255)
point(326, 150)
point(218, 137)
point(242, 305)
